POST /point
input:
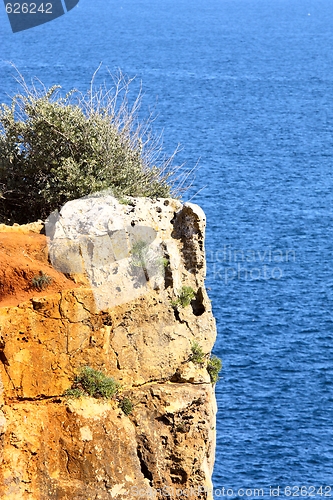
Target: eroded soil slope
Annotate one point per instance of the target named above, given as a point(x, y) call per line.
point(23, 255)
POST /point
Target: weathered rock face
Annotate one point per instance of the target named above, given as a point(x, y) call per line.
point(127, 263)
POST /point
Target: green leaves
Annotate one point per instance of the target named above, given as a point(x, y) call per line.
point(54, 149)
point(185, 295)
point(197, 356)
point(214, 366)
point(93, 383)
point(41, 281)
point(126, 406)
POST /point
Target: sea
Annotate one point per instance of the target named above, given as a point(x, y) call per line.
point(246, 88)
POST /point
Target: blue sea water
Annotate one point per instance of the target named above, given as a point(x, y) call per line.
point(246, 86)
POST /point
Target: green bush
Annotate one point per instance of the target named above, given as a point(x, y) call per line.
point(54, 149)
point(41, 281)
point(74, 393)
point(198, 356)
point(126, 406)
point(214, 366)
point(185, 296)
point(93, 383)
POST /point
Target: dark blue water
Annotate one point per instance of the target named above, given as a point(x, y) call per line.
point(247, 87)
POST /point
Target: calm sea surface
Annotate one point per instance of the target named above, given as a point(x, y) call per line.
point(246, 86)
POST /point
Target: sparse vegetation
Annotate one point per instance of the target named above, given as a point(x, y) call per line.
point(147, 259)
point(123, 201)
point(94, 383)
point(41, 281)
point(198, 356)
point(126, 406)
point(214, 366)
point(139, 253)
point(165, 262)
point(56, 148)
point(185, 296)
point(74, 393)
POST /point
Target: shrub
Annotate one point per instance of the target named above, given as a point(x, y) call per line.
point(93, 383)
point(214, 366)
point(74, 393)
point(198, 356)
point(185, 296)
point(54, 149)
point(41, 281)
point(126, 406)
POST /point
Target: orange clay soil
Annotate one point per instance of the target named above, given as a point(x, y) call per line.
point(22, 257)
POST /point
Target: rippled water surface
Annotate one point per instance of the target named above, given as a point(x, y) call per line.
point(246, 86)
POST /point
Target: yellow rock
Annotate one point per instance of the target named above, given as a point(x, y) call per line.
point(56, 447)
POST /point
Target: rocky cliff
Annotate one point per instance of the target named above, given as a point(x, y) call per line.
point(113, 303)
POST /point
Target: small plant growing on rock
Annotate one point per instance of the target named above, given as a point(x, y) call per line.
point(123, 201)
point(74, 393)
point(139, 253)
point(94, 383)
point(41, 281)
point(214, 367)
point(198, 356)
point(148, 259)
point(126, 406)
point(185, 296)
point(164, 262)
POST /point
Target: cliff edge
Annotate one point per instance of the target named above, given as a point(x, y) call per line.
point(113, 302)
